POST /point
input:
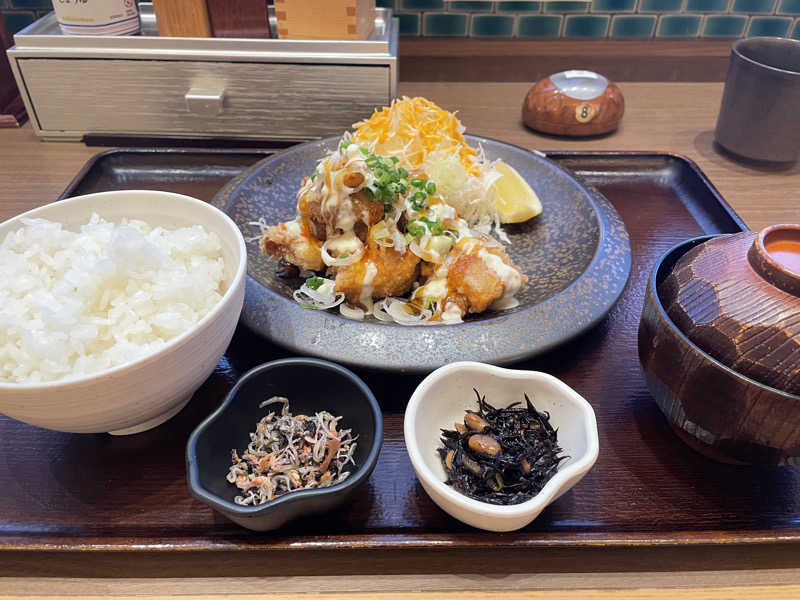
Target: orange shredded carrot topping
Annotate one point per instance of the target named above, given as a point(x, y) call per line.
point(419, 126)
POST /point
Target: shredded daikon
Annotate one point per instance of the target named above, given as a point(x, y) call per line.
point(353, 246)
point(350, 312)
point(320, 297)
point(401, 312)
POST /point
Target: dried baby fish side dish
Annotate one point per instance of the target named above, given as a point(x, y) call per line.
point(501, 456)
point(289, 453)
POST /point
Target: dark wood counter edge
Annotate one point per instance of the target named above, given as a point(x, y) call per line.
point(470, 60)
point(630, 49)
point(395, 542)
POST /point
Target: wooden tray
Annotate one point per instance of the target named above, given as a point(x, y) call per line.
point(67, 492)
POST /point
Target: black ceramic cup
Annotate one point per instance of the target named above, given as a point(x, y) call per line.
point(760, 114)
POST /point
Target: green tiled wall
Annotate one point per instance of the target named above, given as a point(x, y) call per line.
point(582, 26)
point(788, 7)
point(662, 6)
point(725, 26)
point(633, 26)
point(678, 26)
point(770, 26)
point(492, 26)
point(542, 26)
point(753, 6)
point(566, 7)
point(627, 19)
point(612, 6)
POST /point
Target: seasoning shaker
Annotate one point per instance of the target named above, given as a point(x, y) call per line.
point(97, 17)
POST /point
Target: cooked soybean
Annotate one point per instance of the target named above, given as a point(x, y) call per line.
point(501, 456)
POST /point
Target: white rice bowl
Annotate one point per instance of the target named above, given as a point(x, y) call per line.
point(112, 319)
point(74, 303)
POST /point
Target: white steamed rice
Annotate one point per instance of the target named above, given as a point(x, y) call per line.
point(74, 303)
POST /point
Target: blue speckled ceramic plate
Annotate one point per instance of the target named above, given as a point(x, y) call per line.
point(576, 255)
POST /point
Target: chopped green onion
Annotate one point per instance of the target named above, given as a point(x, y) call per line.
point(389, 181)
point(313, 283)
point(415, 230)
point(418, 183)
point(418, 200)
point(419, 227)
point(311, 306)
point(434, 226)
point(345, 144)
point(430, 188)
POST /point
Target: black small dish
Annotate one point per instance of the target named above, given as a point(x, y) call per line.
point(310, 385)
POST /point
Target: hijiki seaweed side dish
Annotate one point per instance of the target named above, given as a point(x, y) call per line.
point(289, 453)
point(501, 456)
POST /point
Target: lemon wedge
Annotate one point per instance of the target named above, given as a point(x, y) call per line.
point(515, 200)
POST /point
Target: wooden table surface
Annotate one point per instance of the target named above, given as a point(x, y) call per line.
point(665, 117)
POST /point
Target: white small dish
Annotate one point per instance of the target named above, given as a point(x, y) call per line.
point(142, 394)
point(442, 399)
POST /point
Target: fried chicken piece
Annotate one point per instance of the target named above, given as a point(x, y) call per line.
point(309, 206)
point(427, 270)
point(480, 275)
point(368, 212)
point(350, 211)
point(470, 279)
point(294, 242)
point(392, 273)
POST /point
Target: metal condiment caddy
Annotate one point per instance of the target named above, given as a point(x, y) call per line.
point(75, 86)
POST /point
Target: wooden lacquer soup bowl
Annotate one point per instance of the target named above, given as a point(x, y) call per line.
point(717, 410)
point(737, 298)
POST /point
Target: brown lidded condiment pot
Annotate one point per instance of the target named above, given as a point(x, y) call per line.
point(573, 103)
point(737, 297)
